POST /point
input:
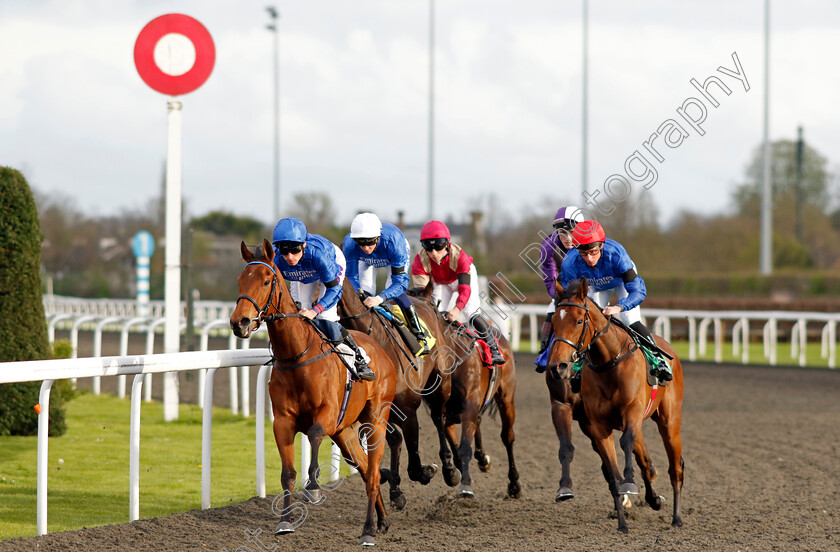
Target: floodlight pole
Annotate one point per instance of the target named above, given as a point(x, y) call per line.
point(431, 169)
point(585, 115)
point(274, 14)
point(766, 192)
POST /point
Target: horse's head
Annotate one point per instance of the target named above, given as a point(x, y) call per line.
point(423, 292)
point(259, 289)
point(571, 323)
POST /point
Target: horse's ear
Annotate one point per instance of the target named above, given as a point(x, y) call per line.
point(558, 289)
point(247, 255)
point(268, 250)
point(584, 289)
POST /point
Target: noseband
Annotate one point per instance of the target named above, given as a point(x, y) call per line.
point(262, 311)
point(580, 351)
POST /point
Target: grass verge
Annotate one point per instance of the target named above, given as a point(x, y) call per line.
point(88, 467)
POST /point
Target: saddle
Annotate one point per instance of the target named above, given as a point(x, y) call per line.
point(479, 342)
point(397, 320)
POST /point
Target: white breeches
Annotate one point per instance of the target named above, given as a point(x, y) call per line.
point(309, 294)
point(603, 297)
point(447, 295)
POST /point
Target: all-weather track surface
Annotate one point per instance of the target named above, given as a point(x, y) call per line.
point(762, 472)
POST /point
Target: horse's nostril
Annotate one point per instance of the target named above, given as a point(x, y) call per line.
point(562, 365)
point(244, 322)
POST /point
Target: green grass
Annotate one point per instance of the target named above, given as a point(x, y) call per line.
point(90, 487)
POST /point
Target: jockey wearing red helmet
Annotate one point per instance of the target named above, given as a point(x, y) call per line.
point(455, 280)
point(608, 269)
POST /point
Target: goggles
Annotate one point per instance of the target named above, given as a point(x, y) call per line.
point(565, 224)
point(287, 247)
point(438, 244)
point(365, 242)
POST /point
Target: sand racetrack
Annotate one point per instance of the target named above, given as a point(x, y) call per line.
point(762, 470)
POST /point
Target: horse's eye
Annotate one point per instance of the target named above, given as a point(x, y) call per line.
point(266, 282)
point(579, 322)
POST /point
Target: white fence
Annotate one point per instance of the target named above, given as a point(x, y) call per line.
point(699, 322)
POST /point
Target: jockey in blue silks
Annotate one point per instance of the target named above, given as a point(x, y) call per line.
point(608, 269)
point(371, 245)
point(307, 261)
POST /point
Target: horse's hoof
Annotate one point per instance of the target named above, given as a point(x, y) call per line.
point(398, 500)
point(484, 463)
point(466, 492)
point(451, 476)
point(313, 496)
point(514, 490)
point(427, 474)
point(564, 493)
point(623, 529)
point(628, 489)
point(383, 526)
point(284, 528)
point(367, 540)
point(656, 502)
point(677, 522)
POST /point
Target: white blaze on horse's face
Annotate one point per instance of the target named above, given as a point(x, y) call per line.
point(562, 314)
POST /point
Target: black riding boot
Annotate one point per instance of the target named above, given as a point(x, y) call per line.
point(413, 323)
point(484, 332)
point(361, 369)
point(545, 335)
point(663, 371)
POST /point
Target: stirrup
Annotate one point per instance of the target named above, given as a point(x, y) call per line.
point(363, 371)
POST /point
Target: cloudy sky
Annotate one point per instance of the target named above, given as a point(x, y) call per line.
point(77, 119)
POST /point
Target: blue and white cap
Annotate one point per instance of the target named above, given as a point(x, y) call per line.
point(567, 217)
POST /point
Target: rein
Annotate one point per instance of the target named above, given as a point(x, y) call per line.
point(584, 353)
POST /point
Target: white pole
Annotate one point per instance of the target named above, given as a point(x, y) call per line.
point(43, 456)
point(172, 289)
point(766, 197)
point(431, 175)
point(262, 378)
point(207, 438)
point(585, 114)
point(134, 450)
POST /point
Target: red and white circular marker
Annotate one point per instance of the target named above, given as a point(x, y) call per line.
point(174, 54)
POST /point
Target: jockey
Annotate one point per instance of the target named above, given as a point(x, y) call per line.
point(552, 252)
point(454, 277)
point(307, 261)
point(371, 245)
point(608, 269)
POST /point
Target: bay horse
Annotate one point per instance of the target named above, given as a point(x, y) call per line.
point(426, 377)
point(617, 396)
point(473, 385)
point(307, 388)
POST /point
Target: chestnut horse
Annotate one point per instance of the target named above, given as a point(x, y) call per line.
point(307, 387)
point(473, 386)
point(617, 396)
point(417, 379)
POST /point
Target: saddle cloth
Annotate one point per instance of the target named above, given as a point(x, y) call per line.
point(344, 350)
point(429, 338)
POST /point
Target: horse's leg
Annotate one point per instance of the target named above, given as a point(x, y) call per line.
point(392, 476)
point(284, 436)
point(632, 431)
point(482, 457)
point(348, 442)
point(451, 475)
point(648, 472)
point(561, 415)
point(603, 444)
point(411, 433)
point(469, 419)
point(507, 411)
point(312, 489)
point(669, 429)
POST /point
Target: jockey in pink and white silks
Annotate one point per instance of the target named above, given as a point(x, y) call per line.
point(455, 280)
point(372, 245)
point(314, 269)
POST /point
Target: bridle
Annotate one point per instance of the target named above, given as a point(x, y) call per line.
point(581, 351)
point(262, 315)
point(262, 311)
